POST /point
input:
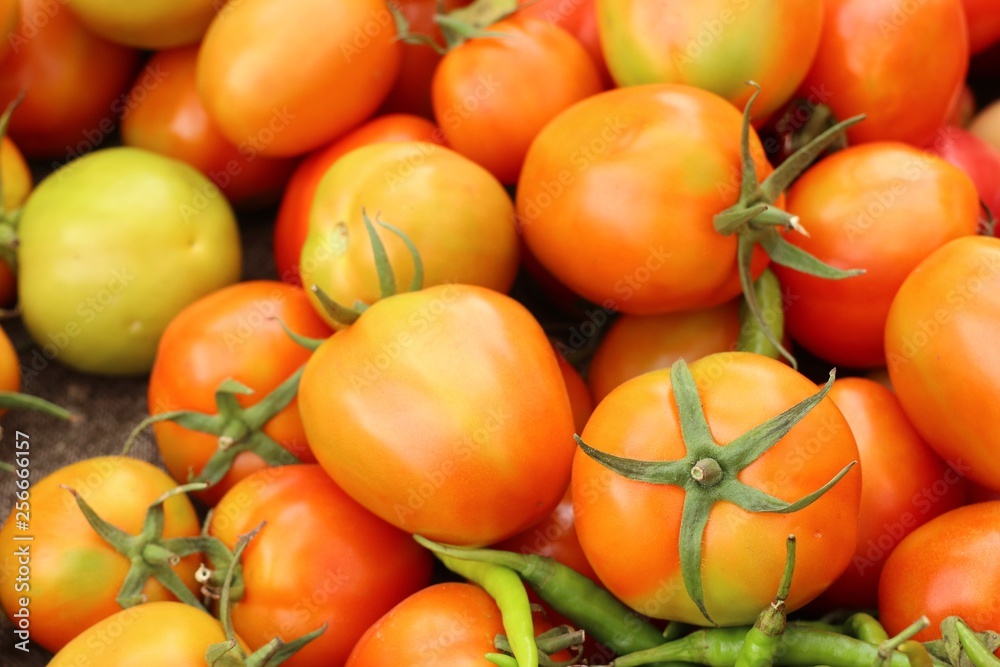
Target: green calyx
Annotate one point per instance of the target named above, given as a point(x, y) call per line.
point(386, 276)
point(755, 221)
point(458, 25)
point(238, 429)
point(229, 653)
point(548, 643)
point(152, 555)
point(12, 400)
point(754, 336)
point(8, 219)
point(712, 487)
point(952, 649)
point(772, 621)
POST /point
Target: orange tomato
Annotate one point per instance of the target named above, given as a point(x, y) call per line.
point(578, 18)
point(17, 183)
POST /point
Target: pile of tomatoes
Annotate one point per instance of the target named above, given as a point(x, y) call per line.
point(562, 277)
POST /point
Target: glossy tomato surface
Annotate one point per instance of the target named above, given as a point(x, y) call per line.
point(978, 159)
point(152, 24)
point(319, 559)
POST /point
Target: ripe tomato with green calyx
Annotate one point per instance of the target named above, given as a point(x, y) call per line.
point(676, 183)
point(662, 450)
point(717, 45)
point(222, 393)
point(457, 215)
point(944, 366)
point(428, 435)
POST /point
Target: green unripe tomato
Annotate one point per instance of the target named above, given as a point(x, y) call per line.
point(112, 246)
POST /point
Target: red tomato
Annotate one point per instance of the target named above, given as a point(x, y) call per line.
point(17, 184)
point(743, 554)
point(166, 116)
point(320, 558)
point(979, 160)
point(947, 567)
point(881, 207)
point(578, 18)
point(485, 91)
point(10, 16)
point(429, 434)
point(983, 20)
point(637, 344)
point(411, 92)
point(618, 194)
point(75, 82)
point(873, 59)
point(292, 225)
point(273, 73)
point(75, 574)
point(939, 341)
point(232, 333)
point(716, 45)
point(903, 485)
point(456, 214)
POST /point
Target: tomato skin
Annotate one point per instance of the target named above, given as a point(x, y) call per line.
point(429, 436)
point(292, 225)
point(148, 25)
point(615, 184)
point(947, 567)
point(74, 80)
point(153, 634)
point(580, 401)
point(111, 248)
point(458, 216)
point(446, 624)
point(743, 555)
point(873, 59)
point(717, 46)
point(232, 333)
point(578, 18)
point(411, 92)
point(979, 160)
point(904, 485)
point(272, 72)
point(982, 19)
point(10, 366)
point(10, 17)
point(637, 344)
point(882, 207)
point(166, 116)
point(941, 359)
point(493, 120)
point(17, 184)
point(75, 575)
point(320, 558)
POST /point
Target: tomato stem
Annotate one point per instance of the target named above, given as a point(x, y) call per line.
point(11, 400)
point(766, 291)
point(887, 648)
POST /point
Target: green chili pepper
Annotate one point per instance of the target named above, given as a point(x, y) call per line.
point(977, 652)
point(584, 603)
point(506, 589)
point(866, 628)
point(763, 641)
point(887, 649)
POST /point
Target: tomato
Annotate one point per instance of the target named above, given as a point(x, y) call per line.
point(493, 119)
point(446, 624)
point(292, 225)
point(578, 18)
point(947, 567)
point(113, 246)
point(411, 92)
point(904, 485)
point(273, 73)
point(75, 82)
point(10, 367)
point(429, 435)
point(234, 333)
point(616, 184)
point(75, 574)
point(637, 344)
point(10, 16)
point(873, 59)
point(938, 341)
point(986, 125)
point(320, 558)
point(982, 17)
point(743, 554)
point(17, 184)
point(579, 396)
point(979, 160)
point(717, 45)
point(458, 216)
point(160, 24)
point(151, 634)
point(882, 207)
point(165, 115)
